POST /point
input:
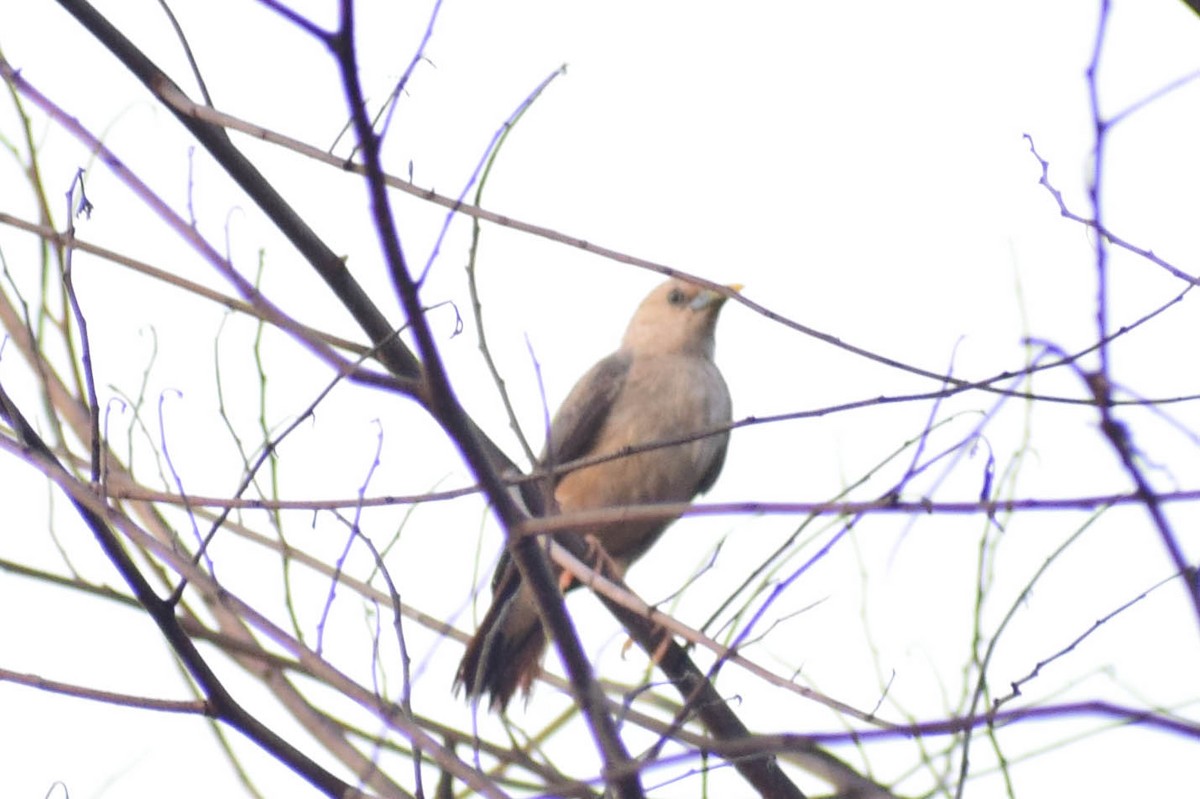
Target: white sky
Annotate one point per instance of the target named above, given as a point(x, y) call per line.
point(859, 166)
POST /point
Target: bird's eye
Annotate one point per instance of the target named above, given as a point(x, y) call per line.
point(676, 297)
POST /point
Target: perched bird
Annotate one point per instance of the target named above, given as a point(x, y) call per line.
point(660, 385)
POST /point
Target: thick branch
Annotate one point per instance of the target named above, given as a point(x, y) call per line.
point(224, 706)
point(438, 397)
point(391, 351)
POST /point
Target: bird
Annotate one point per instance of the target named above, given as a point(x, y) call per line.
point(661, 384)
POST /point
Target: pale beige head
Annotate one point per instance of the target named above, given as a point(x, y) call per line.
point(677, 317)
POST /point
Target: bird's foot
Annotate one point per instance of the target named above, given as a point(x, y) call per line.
point(661, 635)
point(599, 559)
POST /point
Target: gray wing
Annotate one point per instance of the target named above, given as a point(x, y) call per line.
point(714, 469)
point(583, 413)
point(720, 409)
point(571, 436)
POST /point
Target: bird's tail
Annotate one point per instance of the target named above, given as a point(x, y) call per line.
point(506, 652)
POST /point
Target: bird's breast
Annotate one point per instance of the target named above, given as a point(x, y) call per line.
point(663, 400)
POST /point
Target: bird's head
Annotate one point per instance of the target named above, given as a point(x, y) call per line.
point(677, 317)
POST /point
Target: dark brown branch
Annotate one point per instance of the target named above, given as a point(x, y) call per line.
point(1119, 437)
point(761, 771)
point(484, 457)
point(181, 104)
point(391, 351)
point(223, 705)
point(438, 398)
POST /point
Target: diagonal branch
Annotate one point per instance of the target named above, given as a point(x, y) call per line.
point(428, 384)
point(224, 706)
point(438, 398)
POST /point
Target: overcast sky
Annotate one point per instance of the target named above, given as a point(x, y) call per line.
point(862, 168)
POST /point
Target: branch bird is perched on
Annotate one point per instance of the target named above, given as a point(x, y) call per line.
point(661, 385)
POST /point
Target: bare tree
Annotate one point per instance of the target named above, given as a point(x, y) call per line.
point(296, 599)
